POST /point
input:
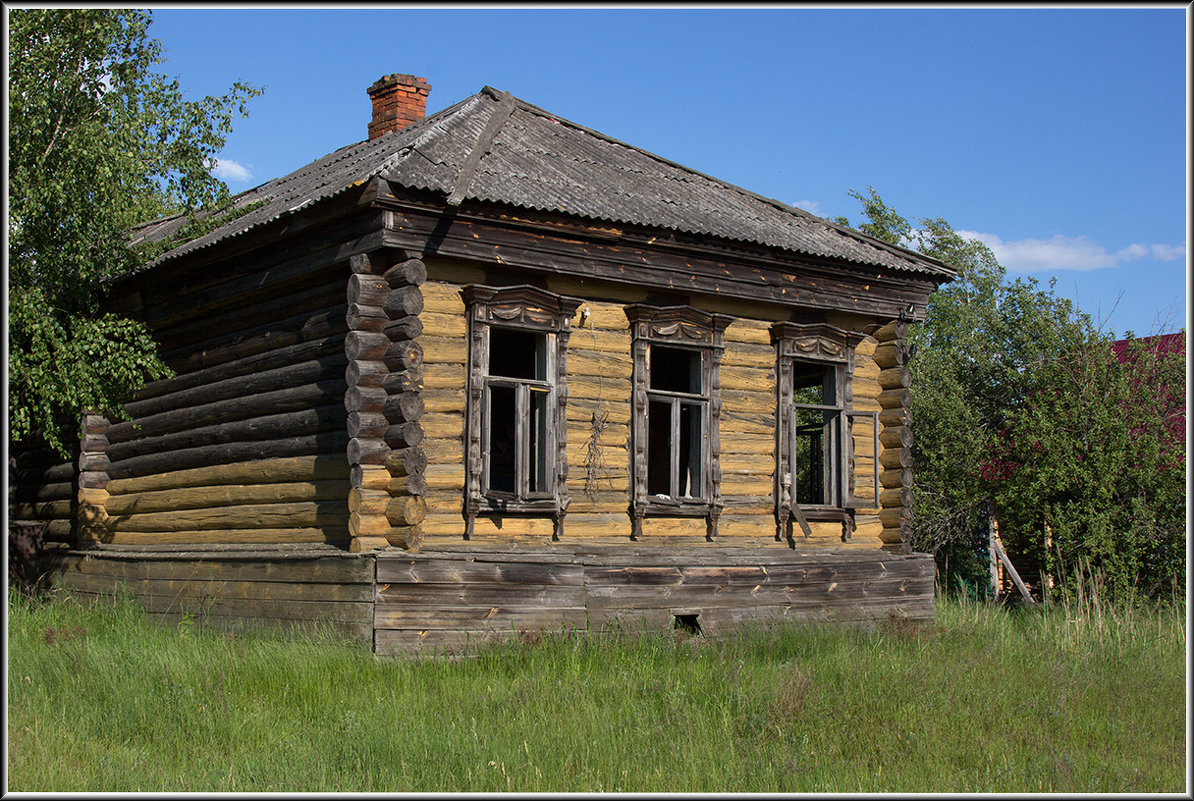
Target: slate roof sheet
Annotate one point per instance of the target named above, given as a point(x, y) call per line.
point(493, 147)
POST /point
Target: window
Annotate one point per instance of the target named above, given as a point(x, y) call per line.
point(816, 428)
point(515, 458)
point(676, 415)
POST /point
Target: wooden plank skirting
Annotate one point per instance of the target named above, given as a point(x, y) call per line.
point(456, 597)
point(231, 587)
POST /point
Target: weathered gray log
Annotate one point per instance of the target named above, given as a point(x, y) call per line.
point(900, 496)
point(367, 290)
point(405, 407)
point(404, 435)
point(404, 356)
point(408, 485)
point(320, 393)
point(411, 272)
point(895, 378)
point(361, 373)
point(403, 381)
point(891, 354)
point(406, 462)
point(897, 416)
point(896, 457)
point(403, 328)
point(404, 301)
point(361, 317)
point(366, 450)
point(366, 345)
point(897, 477)
point(292, 375)
point(365, 399)
point(892, 398)
point(274, 426)
point(367, 424)
point(894, 330)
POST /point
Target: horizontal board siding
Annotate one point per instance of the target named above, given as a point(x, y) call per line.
point(459, 599)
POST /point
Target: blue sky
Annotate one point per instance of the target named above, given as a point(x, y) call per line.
point(1057, 136)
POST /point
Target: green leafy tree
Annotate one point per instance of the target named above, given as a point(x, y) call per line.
point(98, 141)
point(1024, 411)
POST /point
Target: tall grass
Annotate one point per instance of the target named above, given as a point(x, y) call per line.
point(1063, 699)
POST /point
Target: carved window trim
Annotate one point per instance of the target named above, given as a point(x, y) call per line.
point(524, 308)
point(692, 329)
point(828, 346)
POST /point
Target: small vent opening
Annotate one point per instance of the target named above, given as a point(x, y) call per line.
point(687, 624)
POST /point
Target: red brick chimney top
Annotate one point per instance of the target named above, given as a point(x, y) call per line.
point(398, 101)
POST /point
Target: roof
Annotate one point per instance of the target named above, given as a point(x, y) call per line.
point(1159, 344)
point(494, 148)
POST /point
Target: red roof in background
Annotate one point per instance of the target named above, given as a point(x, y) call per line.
point(1163, 343)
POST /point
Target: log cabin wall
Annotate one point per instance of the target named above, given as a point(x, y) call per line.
point(43, 489)
point(247, 443)
point(598, 420)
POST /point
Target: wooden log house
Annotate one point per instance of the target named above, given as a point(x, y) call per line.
point(490, 370)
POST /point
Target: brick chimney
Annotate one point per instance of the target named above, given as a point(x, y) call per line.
point(398, 101)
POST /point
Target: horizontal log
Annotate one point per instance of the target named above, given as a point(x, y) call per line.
point(366, 451)
point(898, 416)
point(896, 496)
point(262, 340)
point(93, 443)
point(365, 399)
point(367, 424)
point(896, 436)
point(402, 381)
point(36, 492)
point(373, 262)
point(45, 510)
point(291, 375)
point(403, 407)
point(411, 272)
point(891, 536)
point(365, 373)
point(365, 345)
point(367, 525)
point(367, 290)
point(404, 301)
point(335, 535)
point(406, 510)
point(405, 355)
point(370, 502)
point(899, 477)
point(405, 537)
point(294, 469)
point(408, 485)
point(404, 435)
point(369, 476)
point(362, 317)
point(226, 495)
point(275, 426)
point(893, 398)
point(268, 515)
point(403, 328)
point(896, 457)
point(895, 378)
point(406, 462)
point(365, 544)
point(330, 443)
point(899, 517)
point(891, 354)
point(893, 330)
point(98, 462)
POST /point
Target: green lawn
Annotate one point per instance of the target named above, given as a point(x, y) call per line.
point(983, 700)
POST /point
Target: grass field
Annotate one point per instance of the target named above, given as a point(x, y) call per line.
point(983, 700)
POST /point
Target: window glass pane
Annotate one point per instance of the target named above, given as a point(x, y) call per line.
point(537, 476)
point(812, 442)
point(517, 354)
point(676, 370)
point(814, 383)
point(659, 448)
point(501, 447)
point(691, 450)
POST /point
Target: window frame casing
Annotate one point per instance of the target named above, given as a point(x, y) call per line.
point(535, 310)
point(678, 327)
point(825, 346)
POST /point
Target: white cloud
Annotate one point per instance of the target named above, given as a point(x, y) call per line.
point(227, 170)
point(1068, 253)
point(811, 206)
